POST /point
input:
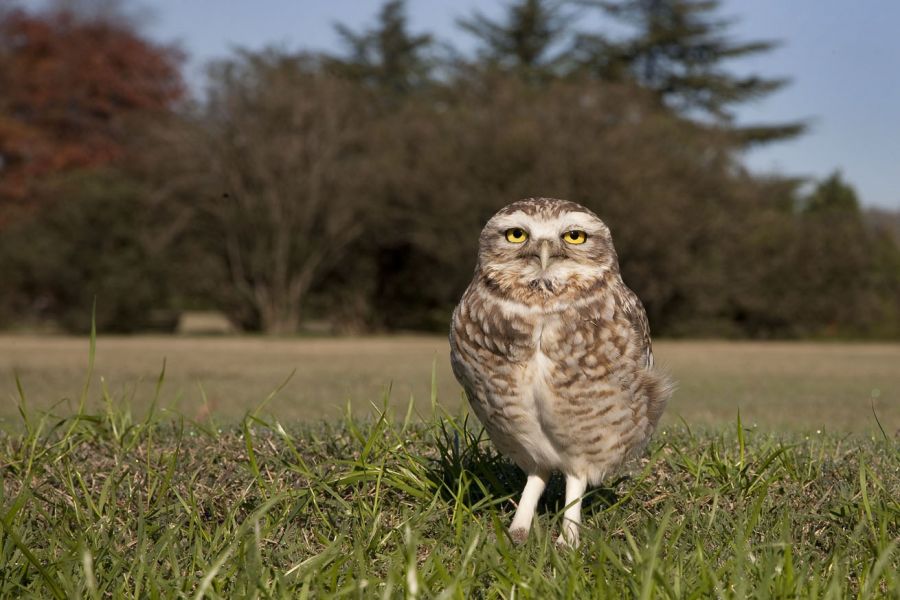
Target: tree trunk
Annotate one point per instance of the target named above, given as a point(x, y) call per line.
point(279, 319)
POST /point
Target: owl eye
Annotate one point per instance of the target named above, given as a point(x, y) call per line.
point(575, 237)
point(516, 235)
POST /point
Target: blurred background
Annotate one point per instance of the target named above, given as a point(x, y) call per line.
point(323, 168)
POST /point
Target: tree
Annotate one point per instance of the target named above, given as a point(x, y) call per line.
point(527, 39)
point(387, 55)
point(68, 89)
point(89, 243)
point(280, 141)
point(833, 196)
point(835, 253)
point(678, 50)
point(443, 168)
point(884, 220)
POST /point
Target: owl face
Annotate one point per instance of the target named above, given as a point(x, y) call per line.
point(542, 249)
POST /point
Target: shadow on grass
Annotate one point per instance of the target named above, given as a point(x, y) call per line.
point(469, 470)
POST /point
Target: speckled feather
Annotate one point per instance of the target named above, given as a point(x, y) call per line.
point(557, 363)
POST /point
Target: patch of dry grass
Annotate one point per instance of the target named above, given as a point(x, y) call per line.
point(809, 386)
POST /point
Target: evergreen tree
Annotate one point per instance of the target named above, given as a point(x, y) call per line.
point(678, 50)
point(833, 196)
point(527, 38)
point(387, 55)
point(835, 267)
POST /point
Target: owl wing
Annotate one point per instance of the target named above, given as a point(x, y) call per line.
point(637, 316)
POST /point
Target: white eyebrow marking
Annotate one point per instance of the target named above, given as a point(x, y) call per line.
point(540, 228)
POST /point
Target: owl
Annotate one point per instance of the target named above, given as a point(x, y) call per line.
point(553, 351)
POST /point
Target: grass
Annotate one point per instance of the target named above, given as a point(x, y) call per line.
point(106, 503)
point(785, 385)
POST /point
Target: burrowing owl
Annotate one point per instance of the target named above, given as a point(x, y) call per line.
point(554, 352)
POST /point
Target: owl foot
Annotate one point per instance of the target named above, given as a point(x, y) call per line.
point(571, 522)
point(521, 523)
point(519, 535)
point(567, 539)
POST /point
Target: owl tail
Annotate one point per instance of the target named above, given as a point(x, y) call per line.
point(656, 387)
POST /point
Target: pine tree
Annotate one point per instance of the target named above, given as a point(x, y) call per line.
point(835, 197)
point(387, 55)
point(678, 50)
point(530, 37)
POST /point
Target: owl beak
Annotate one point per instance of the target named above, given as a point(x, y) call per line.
point(545, 254)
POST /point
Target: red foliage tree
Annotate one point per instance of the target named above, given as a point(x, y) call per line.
point(69, 88)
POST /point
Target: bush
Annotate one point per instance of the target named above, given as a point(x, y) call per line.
point(90, 242)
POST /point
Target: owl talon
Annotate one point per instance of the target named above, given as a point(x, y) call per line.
point(519, 535)
point(567, 539)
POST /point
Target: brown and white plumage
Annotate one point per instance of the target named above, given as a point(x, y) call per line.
point(554, 352)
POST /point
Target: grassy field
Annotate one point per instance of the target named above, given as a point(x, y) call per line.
point(99, 506)
point(111, 494)
point(797, 386)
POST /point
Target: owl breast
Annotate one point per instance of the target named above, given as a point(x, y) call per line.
point(510, 385)
point(557, 390)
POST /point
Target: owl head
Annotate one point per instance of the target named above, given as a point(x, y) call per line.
point(543, 249)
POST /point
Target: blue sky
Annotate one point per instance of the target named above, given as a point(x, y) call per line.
point(843, 57)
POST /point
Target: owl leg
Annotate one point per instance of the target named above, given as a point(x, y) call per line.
point(575, 488)
point(521, 523)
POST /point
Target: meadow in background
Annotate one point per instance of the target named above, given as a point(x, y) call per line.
point(785, 386)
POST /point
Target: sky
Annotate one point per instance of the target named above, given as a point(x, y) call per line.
point(842, 56)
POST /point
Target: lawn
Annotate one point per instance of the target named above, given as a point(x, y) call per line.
point(124, 496)
point(98, 505)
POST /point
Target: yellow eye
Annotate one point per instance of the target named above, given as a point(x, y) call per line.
point(575, 237)
point(516, 235)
